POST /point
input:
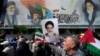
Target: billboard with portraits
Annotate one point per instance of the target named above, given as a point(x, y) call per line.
point(82, 13)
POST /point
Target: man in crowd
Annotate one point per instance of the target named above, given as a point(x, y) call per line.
point(8, 50)
point(70, 47)
point(23, 48)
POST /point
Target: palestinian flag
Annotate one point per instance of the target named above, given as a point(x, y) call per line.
point(39, 36)
point(92, 42)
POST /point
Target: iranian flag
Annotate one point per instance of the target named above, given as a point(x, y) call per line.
point(92, 42)
point(39, 36)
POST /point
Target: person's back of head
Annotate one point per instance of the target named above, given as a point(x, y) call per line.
point(40, 50)
point(21, 41)
point(23, 50)
point(48, 50)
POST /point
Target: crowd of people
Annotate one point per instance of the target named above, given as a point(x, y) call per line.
point(69, 46)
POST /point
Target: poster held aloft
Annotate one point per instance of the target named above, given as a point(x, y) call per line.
point(50, 30)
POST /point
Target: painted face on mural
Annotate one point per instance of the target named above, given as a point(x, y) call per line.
point(36, 16)
point(11, 9)
point(89, 6)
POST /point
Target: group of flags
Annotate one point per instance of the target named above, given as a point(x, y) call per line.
point(91, 41)
point(90, 38)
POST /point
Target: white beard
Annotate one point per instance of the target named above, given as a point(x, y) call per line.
point(10, 13)
point(90, 12)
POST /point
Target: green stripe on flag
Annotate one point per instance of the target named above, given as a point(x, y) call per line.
point(93, 49)
point(38, 35)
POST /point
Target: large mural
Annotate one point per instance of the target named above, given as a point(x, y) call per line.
point(68, 12)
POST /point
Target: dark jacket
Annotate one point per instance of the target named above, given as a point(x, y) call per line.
point(23, 51)
point(2, 53)
point(42, 50)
